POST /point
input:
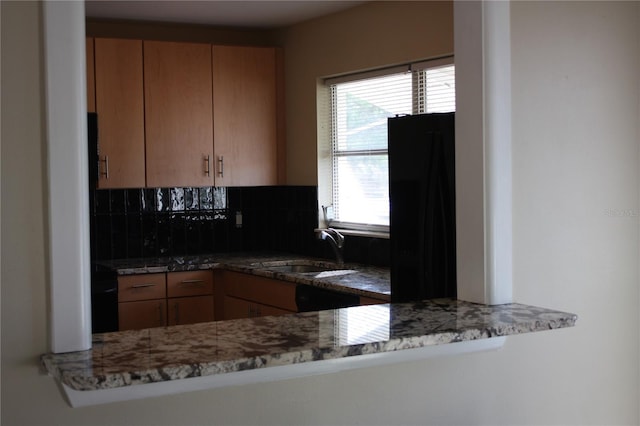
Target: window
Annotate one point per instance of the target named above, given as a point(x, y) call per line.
point(360, 105)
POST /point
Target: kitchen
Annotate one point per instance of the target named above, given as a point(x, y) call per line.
point(133, 219)
point(320, 398)
point(187, 218)
point(168, 66)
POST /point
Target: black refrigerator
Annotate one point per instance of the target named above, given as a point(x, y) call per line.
point(422, 206)
point(104, 280)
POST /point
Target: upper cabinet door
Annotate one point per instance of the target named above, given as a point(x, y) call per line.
point(91, 77)
point(178, 114)
point(120, 108)
point(245, 115)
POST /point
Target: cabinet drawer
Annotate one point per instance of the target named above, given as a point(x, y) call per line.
point(267, 291)
point(141, 287)
point(189, 283)
point(142, 314)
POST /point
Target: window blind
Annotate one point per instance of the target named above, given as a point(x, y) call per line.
point(360, 107)
point(359, 144)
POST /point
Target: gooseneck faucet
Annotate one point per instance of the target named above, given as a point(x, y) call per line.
point(336, 241)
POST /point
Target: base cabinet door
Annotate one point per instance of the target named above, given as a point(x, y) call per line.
point(190, 310)
point(235, 308)
point(142, 314)
point(261, 290)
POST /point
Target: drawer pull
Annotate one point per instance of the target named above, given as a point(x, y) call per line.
point(143, 285)
point(192, 282)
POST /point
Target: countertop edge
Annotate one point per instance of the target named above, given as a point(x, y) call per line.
point(548, 320)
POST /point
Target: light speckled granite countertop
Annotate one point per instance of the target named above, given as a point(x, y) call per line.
point(362, 280)
point(172, 353)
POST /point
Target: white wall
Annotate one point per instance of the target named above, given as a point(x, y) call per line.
point(576, 109)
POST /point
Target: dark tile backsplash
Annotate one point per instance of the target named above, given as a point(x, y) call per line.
point(157, 222)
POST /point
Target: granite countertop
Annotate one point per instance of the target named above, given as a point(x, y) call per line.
point(358, 279)
point(164, 354)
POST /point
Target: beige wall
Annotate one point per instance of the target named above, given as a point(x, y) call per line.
point(369, 36)
point(576, 109)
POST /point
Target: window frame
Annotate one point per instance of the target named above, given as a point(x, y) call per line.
point(326, 138)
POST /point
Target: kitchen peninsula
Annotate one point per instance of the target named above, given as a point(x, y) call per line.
point(121, 361)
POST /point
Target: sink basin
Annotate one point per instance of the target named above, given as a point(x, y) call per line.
point(300, 269)
point(320, 268)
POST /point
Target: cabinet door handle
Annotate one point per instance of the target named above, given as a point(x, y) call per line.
point(192, 282)
point(207, 170)
point(221, 166)
point(105, 173)
point(177, 313)
point(143, 285)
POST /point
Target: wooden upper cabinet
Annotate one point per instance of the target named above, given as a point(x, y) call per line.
point(245, 115)
point(91, 77)
point(120, 108)
point(178, 114)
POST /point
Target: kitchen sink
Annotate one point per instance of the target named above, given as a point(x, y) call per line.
point(301, 269)
point(304, 267)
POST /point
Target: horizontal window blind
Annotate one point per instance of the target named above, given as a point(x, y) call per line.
point(360, 108)
point(436, 89)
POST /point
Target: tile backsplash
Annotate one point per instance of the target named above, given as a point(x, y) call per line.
point(156, 222)
point(159, 222)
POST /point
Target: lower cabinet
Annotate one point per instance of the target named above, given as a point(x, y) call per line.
point(142, 301)
point(142, 314)
point(247, 296)
point(157, 300)
point(235, 308)
point(190, 310)
point(190, 297)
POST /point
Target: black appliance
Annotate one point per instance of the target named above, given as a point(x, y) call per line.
point(422, 206)
point(92, 133)
point(104, 300)
point(104, 281)
point(310, 298)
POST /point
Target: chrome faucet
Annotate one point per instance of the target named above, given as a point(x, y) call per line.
point(336, 241)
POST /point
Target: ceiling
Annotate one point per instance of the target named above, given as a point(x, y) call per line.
point(237, 13)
